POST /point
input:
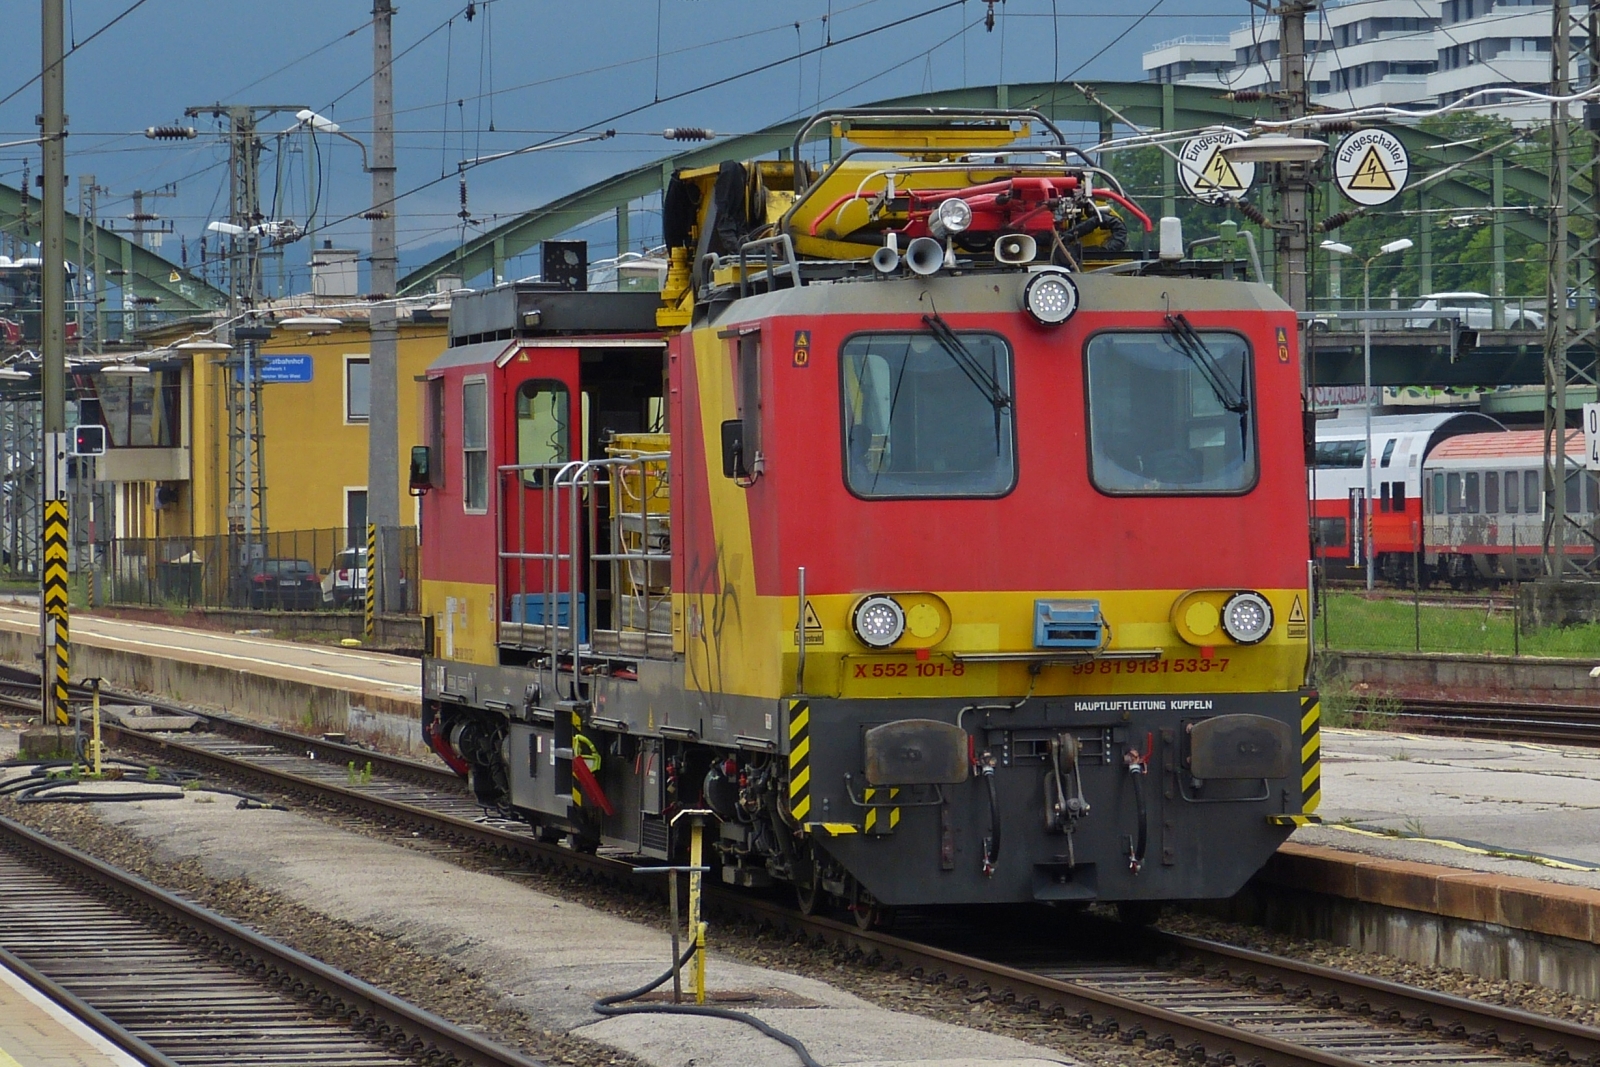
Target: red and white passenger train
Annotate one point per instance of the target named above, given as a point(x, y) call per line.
point(1456, 492)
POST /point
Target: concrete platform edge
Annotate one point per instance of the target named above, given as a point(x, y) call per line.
point(240, 692)
point(1493, 925)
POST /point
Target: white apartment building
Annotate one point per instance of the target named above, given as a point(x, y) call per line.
point(1367, 53)
point(1247, 58)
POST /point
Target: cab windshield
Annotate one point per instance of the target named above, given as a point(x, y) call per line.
point(927, 415)
point(1170, 414)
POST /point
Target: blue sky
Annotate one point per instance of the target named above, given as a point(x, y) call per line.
point(520, 71)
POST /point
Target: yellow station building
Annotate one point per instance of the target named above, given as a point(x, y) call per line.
point(169, 429)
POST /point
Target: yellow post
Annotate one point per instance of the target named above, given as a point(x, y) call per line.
point(55, 609)
point(697, 929)
point(95, 745)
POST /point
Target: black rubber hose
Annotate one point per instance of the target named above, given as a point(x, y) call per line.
point(991, 844)
point(613, 1006)
point(1138, 801)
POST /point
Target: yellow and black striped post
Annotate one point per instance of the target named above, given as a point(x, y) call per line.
point(799, 760)
point(1310, 753)
point(55, 603)
point(371, 628)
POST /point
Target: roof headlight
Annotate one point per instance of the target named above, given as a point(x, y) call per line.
point(951, 216)
point(1247, 618)
point(1050, 297)
point(879, 621)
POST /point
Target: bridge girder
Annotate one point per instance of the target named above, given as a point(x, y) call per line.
point(149, 275)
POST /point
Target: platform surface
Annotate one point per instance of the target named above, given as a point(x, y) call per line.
point(35, 1032)
point(1527, 810)
point(355, 669)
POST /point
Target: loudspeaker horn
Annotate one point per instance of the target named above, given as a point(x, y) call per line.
point(1015, 248)
point(886, 260)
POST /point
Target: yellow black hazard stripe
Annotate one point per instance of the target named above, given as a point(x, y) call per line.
point(799, 759)
point(55, 595)
point(881, 820)
point(370, 607)
point(1310, 753)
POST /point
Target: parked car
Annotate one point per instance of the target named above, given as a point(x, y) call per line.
point(288, 584)
point(346, 578)
point(1479, 308)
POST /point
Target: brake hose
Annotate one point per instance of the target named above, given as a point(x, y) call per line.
point(991, 843)
point(1138, 767)
point(614, 1005)
point(1136, 858)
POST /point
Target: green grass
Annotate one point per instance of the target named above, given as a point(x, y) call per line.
point(1354, 624)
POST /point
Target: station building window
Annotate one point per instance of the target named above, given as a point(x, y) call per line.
point(357, 388)
point(1168, 419)
point(925, 420)
point(475, 444)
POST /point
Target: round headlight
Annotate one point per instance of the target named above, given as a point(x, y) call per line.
point(951, 216)
point(1247, 618)
point(1050, 297)
point(878, 621)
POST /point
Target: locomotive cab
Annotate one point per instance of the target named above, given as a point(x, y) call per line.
point(933, 540)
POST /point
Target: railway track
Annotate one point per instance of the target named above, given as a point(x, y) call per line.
point(175, 985)
point(1568, 724)
point(1213, 1003)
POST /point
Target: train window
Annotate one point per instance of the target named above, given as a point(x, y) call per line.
point(1574, 502)
point(1388, 452)
point(921, 420)
point(1531, 491)
point(436, 421)
point(1399, 496)
point(1438, 494)
point(1469, 493)
point(1491, 493)
point(1591, 490)
point(1339, 455)
point(475, 444)
point(1331, 533)
point(1452, 492)
point(544, 433)
point(1513, 491)
point(1158, 420)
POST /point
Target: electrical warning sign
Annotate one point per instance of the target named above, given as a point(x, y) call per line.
point(1210, 175)
point(1371, 167)
point(1297, 620)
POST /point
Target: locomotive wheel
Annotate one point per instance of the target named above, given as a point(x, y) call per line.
point(869, 913)
point(808, 893)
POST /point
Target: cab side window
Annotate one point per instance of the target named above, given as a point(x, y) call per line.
point(544, 426)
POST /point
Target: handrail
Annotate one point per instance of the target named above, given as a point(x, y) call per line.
point(572, 494)
point(790, 266)
point(848, 113)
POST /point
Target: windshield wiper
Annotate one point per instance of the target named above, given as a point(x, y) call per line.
point(1191, 344)
point(963, 358)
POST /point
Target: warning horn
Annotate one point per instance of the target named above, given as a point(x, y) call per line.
point(886, 260)
point(924, 256)
point(1015, 248)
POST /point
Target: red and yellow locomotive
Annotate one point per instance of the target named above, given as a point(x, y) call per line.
point(941, 548)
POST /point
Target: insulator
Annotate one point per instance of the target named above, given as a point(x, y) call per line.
point(1337, 126)
point(171, 133)
point(1246, 96)
point(375, 214)
point(1334, 221)
point(1251, 212)
point(464, 213)
point(687, 133)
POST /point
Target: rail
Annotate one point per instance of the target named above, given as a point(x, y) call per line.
point(1333, 1018)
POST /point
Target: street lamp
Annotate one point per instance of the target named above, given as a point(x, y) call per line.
point(1340, 249)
